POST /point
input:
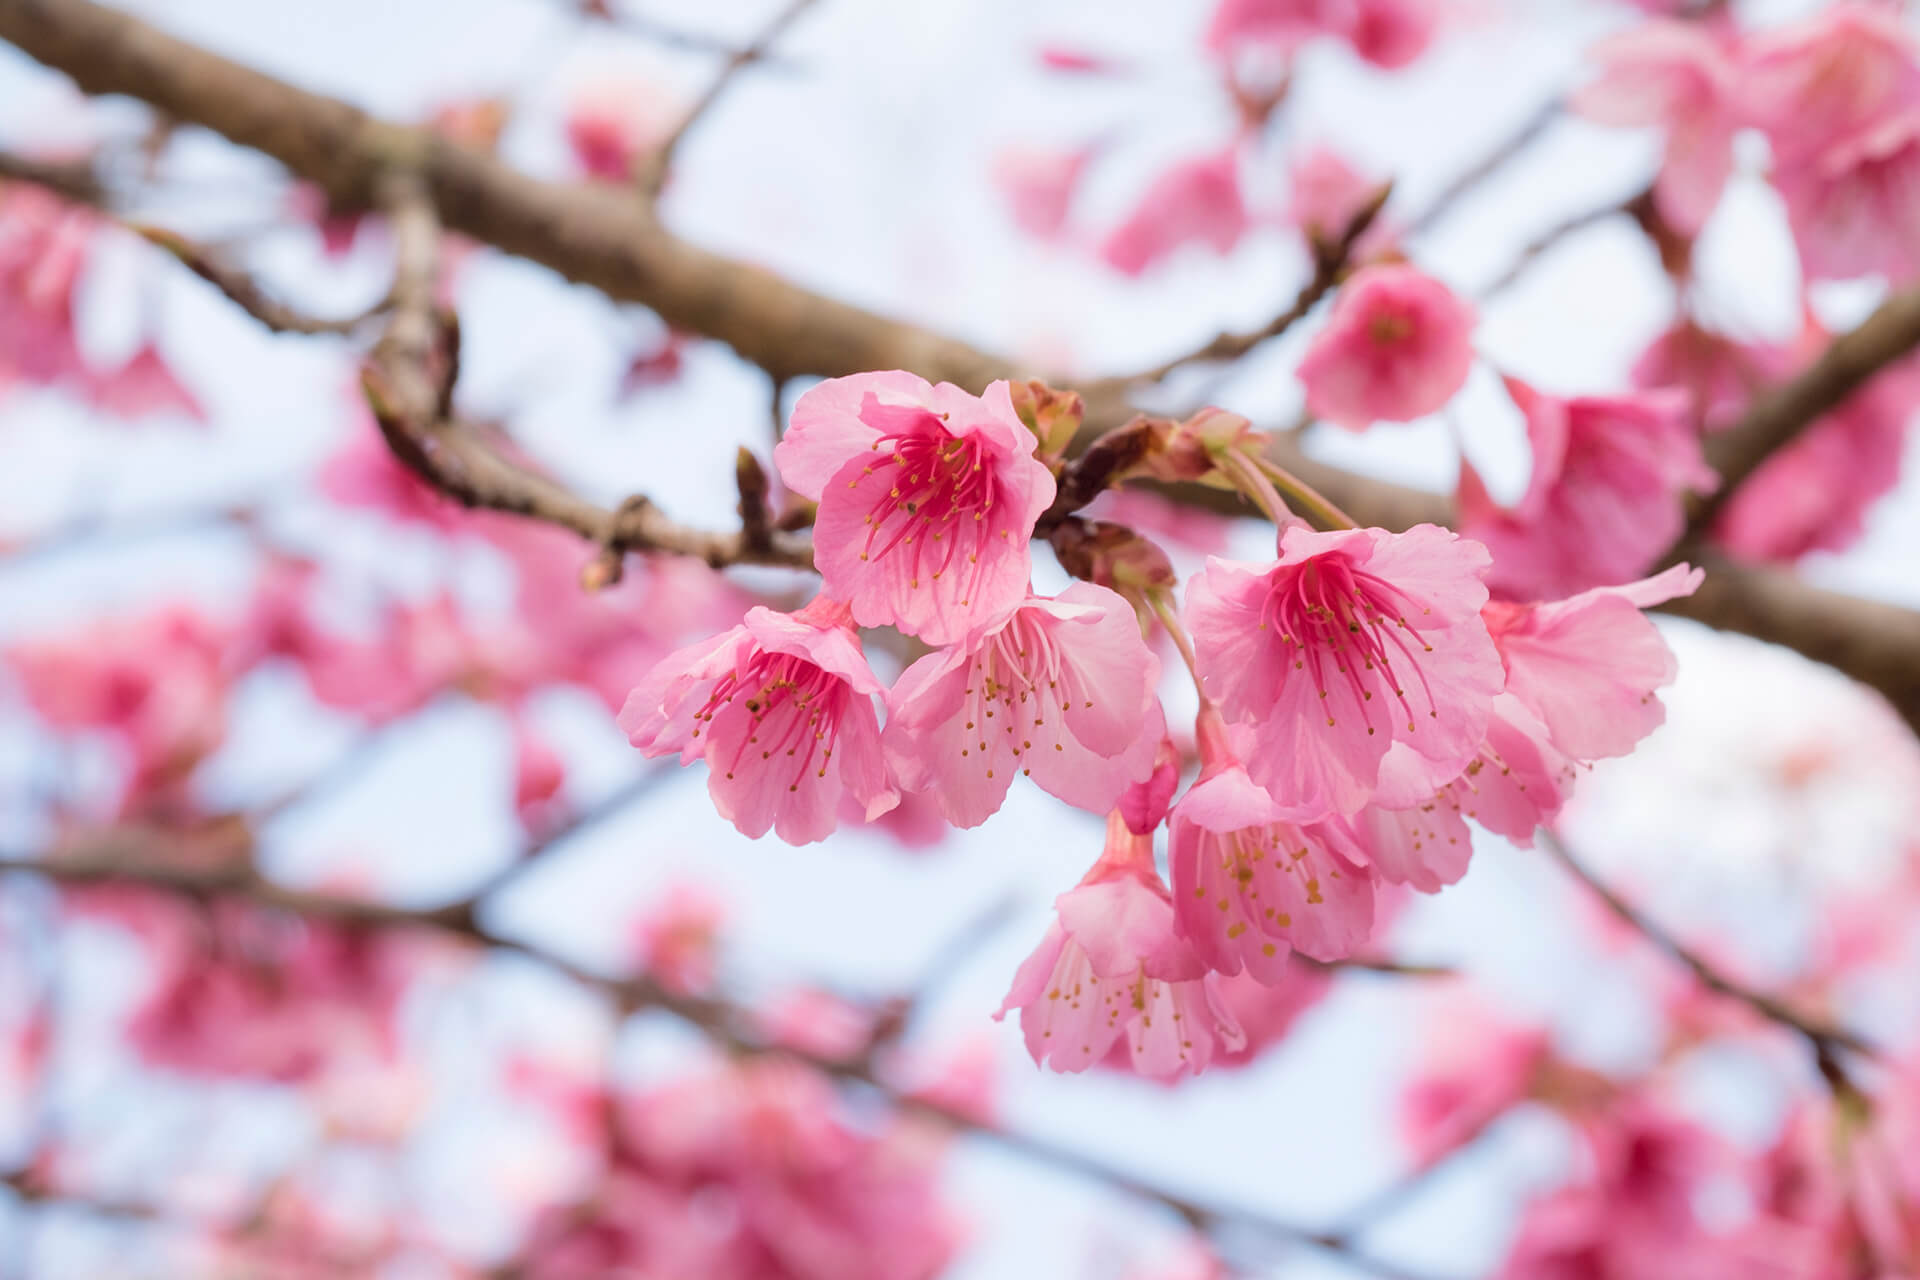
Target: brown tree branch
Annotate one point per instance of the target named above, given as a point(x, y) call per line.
point(610, 239)
point(593, 234)
point(73, 179)
point(1777, 416)
point(129, 860)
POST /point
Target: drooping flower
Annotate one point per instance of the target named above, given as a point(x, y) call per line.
point(1855, 206)
point(1388, 33)
point(44, 247)
point(1251, 886)
point(1516, 781)
point(1581, 678)
point(1604, 498)
point(1062, 691)
point(1813, 83)
point(143, 386)
point(927, 496)
point(1324, 195)
point(781, 708)
point(1112, 966)
point(1675, 76)
point(1352, 641)
point(1588, 666)
point(612, 125)
point(1398, 346)
point(1039, 184)
point(1721, 375)
point(1475, 1065)
point(1197, 200)
point(1814, 493)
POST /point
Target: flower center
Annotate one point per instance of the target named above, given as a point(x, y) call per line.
point(1344, 627)
point(940, 493)
point(794, 708)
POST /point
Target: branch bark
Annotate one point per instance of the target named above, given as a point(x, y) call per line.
point(611, 240)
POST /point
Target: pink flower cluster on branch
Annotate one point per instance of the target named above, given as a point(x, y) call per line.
point(1362, 698)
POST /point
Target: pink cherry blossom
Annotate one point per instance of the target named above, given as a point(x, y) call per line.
point(1388, 33)
point(1392, 34)
point(1111, 967)
point(1397, 347)
point(1268, 1011)
point(1352, 641)
point(1249, 885)
point(1676, 76)
point(155, 682)
point(1062, 691)
point(1588, 666)
point(1604, 498)
point(1144, 804)
point(1039, 184)
point(1517, 780)
point(1475, 1065)
point(1818, 81)
point(276, 999)
point(539, 774)
point(927, 496)
point(1720, 374)
point(1284, 25)
point(807, 1192)
point(44, 246)
point(1853, 207)
point(142, 386)
point(1324, 195)
point(1195, 201)
point(612, 125)
point(1813, 494)
point(769, 705)
point(362, 472)
point(677, 936)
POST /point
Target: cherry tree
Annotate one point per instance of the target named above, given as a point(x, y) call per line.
point(1492, 652)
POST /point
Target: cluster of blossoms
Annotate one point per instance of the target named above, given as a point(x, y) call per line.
point(45, 247)
point(1361, 698)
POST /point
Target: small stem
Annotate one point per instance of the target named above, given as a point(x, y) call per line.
point(1302, 494)
point(1162, 605)
point(1254, 483)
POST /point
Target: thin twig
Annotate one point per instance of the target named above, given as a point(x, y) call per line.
point(1496, 159)
point(1330, 264)
point(241, 288)
point(1826, 1039)
point(727, 1024)
point(1535, 248)
point(660, 32)
point(654, 173)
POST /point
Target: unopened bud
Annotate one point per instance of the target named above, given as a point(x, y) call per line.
point(1053, 416)
point(1111, 555)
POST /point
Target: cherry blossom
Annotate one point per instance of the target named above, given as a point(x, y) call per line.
point(1397, 347)
point(1195, 201)
point(927, 498)
point(768, 705)
point(1679, 77)
point(1604, 497)
point(1249, 885)
point(1063, 691)
point(1112, 968)
point(1353, 640)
